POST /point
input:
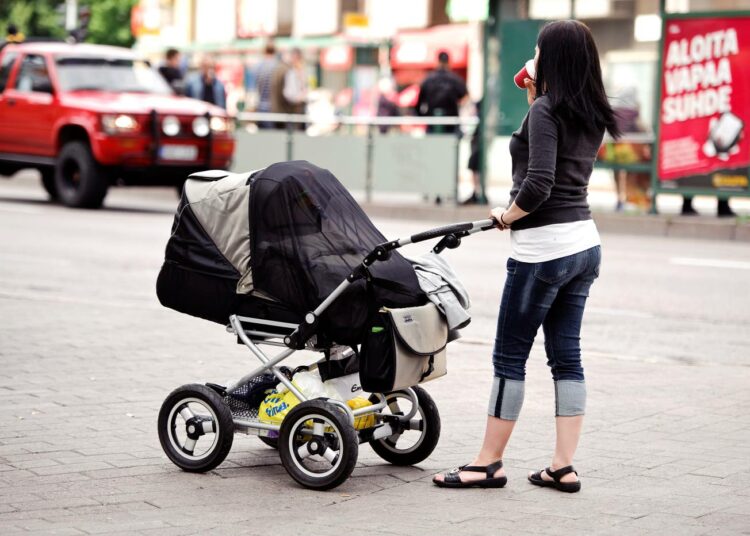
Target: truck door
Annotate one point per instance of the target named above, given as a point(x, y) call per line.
point(7, 61)
point(30, 109)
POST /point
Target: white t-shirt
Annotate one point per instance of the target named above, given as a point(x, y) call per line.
point(549, 242)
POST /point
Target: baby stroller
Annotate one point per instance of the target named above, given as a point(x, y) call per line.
point(290, 260)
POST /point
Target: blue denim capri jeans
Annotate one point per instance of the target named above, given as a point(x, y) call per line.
point(552, 295)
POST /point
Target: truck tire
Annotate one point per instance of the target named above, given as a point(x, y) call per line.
point(48, 182)
point(79, 179)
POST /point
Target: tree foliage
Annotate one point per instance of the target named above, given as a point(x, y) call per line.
point(109, 23)
point(38, 18)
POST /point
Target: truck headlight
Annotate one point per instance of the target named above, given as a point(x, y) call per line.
point(119, 124)
point(170, 125)
point(219, 124)
point(201, 126)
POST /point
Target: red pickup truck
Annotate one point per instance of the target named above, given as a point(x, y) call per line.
point(89, 116)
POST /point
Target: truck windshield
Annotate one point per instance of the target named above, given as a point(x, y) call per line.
point(106, 74)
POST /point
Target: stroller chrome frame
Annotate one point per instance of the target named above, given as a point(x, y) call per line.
point(269, 365)
point(322, 428)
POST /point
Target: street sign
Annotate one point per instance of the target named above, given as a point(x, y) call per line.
point(358, 20)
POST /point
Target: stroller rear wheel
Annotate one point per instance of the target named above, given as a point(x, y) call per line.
point(318, 445)
point(195, 428)
point(421, 434)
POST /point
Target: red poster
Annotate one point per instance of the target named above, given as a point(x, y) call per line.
point(705, 104)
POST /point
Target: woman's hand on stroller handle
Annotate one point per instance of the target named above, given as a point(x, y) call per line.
point(497, 216)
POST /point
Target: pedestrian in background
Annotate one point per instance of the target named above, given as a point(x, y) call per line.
point(12, 35)
point(723, 210)
point(555, 252)
point(205, 86)
point(440, 94)
point(289, 87)
point(476, 197)
point(636, 184)
point(172, 70)
point(263, 82)
point(387, 105)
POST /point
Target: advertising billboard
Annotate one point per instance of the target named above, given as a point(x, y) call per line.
point(704, 108)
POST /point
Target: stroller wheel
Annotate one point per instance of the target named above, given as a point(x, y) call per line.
point(195, 428)
point(421, 434)
point(318, 445)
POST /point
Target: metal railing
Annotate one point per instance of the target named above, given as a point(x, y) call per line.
point(335, 125)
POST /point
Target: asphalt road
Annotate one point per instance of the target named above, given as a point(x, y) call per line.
point(88, 354)
point(658, 299)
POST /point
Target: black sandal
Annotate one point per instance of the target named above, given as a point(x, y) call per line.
point(567, 487)
point(452, 479)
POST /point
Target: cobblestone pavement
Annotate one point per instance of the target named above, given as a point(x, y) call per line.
point(88, 356)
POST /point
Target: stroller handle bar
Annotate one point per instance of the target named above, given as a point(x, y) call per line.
point(456, 228)
point(451, 234)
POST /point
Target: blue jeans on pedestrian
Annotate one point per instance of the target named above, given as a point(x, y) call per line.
point(550, 294)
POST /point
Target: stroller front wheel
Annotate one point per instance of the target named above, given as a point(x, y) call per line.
point(420, 435)
point(318, 445)
point(196, 429)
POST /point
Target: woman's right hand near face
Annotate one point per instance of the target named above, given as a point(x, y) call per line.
point(530, 90)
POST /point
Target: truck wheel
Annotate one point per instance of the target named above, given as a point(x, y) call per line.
point(78, 178)
point(48, 182)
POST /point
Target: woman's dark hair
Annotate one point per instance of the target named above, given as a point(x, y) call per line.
point(569, 74)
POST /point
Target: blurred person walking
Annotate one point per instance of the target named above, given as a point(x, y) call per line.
point(476, 197)
point(289, 87)
point(387, 106)
point(440, 94)
point(555, 252)
point(204, 85)
point(628, 116)
point(172, 70)
point(264, 81)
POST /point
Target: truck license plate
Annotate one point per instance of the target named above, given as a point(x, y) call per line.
point(178, 152)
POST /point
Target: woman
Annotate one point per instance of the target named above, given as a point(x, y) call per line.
point(555, 252)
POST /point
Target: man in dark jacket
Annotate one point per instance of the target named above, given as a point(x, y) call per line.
point(440, 94)
point(204, 85)
point(171, 70)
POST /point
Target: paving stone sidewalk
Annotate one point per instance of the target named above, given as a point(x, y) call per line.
point(665, 448)
point(88, 355)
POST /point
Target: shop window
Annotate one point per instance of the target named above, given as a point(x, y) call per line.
point(365, 56)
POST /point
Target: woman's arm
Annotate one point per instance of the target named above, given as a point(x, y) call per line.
point(505, 217)
point(540, 177)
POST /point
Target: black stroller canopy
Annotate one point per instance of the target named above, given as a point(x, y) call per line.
point(286, 235)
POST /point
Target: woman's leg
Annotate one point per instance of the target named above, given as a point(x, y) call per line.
point(562, 342)
point(524, 305)
point(568, 432)
point(496, 435)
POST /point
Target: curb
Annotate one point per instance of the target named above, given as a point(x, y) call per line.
point(696, 227)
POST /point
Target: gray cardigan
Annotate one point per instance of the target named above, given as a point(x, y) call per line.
point(553, 156)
